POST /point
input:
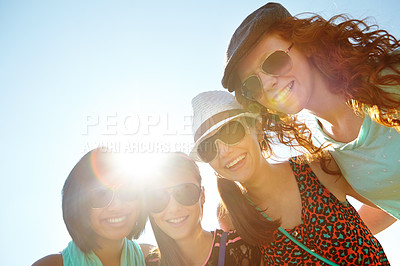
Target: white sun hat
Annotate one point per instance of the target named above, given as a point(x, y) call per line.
point(212, 110)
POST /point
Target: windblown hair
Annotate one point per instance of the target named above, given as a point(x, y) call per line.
point(75, 203)
point(358, 60)
point(168, 251)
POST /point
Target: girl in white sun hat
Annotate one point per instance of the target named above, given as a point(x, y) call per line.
point(295, 211)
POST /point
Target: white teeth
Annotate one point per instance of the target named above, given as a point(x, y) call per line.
point(283, 93)
point(229, 165)
point(177, 220)
point(116, 220)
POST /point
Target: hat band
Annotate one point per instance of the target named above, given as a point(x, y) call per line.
point(214, 120)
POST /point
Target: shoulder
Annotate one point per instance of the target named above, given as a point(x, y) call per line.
point(53, 259)
point(146, 248)
point(239, 252)
point(152, 258)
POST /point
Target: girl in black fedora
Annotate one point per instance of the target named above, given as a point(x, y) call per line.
point(342, 71)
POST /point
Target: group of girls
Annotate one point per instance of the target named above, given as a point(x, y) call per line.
point(344, 73)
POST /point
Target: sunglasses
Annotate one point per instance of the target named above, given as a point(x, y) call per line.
point(102, 197)
point(230, 134)
point(186, 194)
point(276, 64)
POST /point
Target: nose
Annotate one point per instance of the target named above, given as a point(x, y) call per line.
point(268, 82)
point(173, 205)
point(115, 203)
point(223, 149)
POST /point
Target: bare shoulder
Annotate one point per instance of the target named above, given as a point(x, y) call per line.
point(53, 259)
point(335, 183)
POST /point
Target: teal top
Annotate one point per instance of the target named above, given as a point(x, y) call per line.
point(131, 255)
point(370, 163)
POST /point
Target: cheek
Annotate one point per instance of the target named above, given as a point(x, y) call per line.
point(94, 218)
point(157, 218)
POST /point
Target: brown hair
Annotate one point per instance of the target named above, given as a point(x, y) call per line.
point(168, 250)
point(247, 220)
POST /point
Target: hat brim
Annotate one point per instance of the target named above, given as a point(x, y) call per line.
point(212, 130)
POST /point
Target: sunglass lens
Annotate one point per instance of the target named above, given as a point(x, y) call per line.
point(187, 194)
point(277, 64)
point(251, 88)
point(100, 197)
point(157, 200)
point(128, 194)
point(232, 133)
point(207, 150)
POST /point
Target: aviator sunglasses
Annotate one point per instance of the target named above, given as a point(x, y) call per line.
point(230, 134)
point(102, 197)
point(276, 64)
point(186, 194)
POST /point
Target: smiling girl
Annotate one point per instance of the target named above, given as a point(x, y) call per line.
point(297, 213)
point(175, 201)
point(102, 210)
point(343, 72)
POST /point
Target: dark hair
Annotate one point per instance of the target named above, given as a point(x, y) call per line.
point(75, 206)
point(168, 250)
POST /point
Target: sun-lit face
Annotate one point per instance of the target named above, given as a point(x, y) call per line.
point(289, 93)
point(115, 221)
point(176, 220)
point(239, 162)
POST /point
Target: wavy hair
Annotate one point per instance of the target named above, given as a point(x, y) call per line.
point(358, 60)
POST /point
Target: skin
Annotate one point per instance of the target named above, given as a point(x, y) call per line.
point(272, 186)
point(112, 224)
point(309, 91)
point(188, 231)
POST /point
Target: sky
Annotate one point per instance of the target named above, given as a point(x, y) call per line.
point(75, 75)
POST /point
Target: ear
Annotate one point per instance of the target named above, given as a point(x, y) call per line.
point(203, 196)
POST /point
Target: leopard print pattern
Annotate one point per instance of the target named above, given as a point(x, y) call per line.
point(331, 228)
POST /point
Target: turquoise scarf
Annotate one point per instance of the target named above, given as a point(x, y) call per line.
point(131, 255)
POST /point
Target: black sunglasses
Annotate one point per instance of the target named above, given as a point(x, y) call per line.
point(101, 197)
point(276, 64)
point(186, 194)
point(231, 134)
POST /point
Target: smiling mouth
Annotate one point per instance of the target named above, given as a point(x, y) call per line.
point(177, 220)
point(236, 161)
point(116, 220)
point(283, 94)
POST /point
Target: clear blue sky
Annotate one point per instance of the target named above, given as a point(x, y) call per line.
point(74, 74)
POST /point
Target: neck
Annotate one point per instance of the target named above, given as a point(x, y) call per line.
point(110, 251)
point(338, 120)
point(264, 183)
point(195, 248)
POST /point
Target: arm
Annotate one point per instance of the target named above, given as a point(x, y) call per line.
point(50, 260)
point(376, 219)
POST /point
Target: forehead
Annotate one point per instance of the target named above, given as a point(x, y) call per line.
point(269, 44)
point(175, 177)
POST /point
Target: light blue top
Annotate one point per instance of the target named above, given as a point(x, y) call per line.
point(131, 255)
point(370, 163)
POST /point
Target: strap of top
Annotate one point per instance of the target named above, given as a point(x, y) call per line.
point(222, 245)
